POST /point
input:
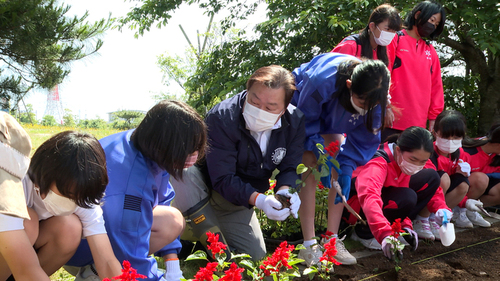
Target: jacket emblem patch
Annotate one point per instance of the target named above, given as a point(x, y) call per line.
point(278, 155)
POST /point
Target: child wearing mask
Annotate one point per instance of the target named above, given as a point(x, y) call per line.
point(339, 94)
point(65, 181)
point(452, 163)
point(399, 182)
point(416, 84)
point(485, 166)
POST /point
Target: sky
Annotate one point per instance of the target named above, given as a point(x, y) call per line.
point(124, 74)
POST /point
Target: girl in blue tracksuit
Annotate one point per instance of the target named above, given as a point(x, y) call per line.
point(136, 205)
point(338, 94)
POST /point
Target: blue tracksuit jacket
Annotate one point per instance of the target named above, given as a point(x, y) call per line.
point(315, 83)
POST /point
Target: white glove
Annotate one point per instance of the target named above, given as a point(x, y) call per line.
point(414, 238)
point(173, 272)
point(440, 214)
point(387, 246)
point(294, 201)
point(271, 206)
point(473, 205)
point(464, 167)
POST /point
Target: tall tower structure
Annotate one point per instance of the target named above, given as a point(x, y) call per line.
point(54, 105)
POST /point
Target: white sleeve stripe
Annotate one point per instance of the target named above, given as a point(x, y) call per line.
point(13, 161)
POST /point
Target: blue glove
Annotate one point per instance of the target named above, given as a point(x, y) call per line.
point(345, 185)
point(327, 179)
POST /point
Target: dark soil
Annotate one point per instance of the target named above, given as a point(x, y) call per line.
point(475, 255)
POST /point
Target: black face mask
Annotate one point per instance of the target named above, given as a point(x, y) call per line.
point(426, 29)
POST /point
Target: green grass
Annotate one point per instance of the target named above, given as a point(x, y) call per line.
point(39, 133)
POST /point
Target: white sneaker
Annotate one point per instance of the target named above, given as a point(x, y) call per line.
point(434, 228)
point(343, 256)
point(89, 272)
point(423, 229)
point(462, 221)
point(477, 219)
point(310, 255)
point(371, 243)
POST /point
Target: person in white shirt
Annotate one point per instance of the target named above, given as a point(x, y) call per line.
point(63, 186)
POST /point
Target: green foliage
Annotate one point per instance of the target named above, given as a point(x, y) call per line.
point(38, 44)
point(127, 119)
point(97, 123)
point(28, 116)
point(297, 30)
point(69, 119)
point(48, 120)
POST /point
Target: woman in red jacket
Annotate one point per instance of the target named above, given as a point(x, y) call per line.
point(399, 182)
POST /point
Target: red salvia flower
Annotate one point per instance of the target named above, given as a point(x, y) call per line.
point(396, 228)
point(233, 273)
point(206, 273)
point(214, 245)
point(279, 259)
point(128, 273)
point(328, 234)
point(330, 252)
point(332, 148)
point(320, 185)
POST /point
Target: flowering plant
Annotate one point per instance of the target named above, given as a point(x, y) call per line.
point(128, 273)
point(397, 246)
point(327, 260)
point(321, 168)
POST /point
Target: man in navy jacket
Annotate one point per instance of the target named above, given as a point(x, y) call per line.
point(250, 135)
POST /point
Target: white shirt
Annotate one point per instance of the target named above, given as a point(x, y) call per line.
point(263, 137)
point(92, 220)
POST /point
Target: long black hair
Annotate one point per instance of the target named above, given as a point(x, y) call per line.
point(378, 15)
point(426, 9)
point(370, 82)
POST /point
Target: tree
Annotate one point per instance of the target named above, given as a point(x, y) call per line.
point(49, 121)
point(28, 116)
point(297, 30)
point(127, 119)
point(69, 119)
point(97, 123)
point(38, 44)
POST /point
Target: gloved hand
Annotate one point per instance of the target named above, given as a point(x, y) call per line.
point(473, 205)
point(440, 214)
point(387, 247)
point(464, 168)
point(272, 207)
point(294, 201)
point(345, 185)
point(173, 272)
point(412, 238)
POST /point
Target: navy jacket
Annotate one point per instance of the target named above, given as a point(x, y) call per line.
point(235, 165)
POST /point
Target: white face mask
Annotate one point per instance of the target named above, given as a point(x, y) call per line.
point(385, 37)
point(58, 205)
point(258, 120)
point(360, 110)
point(448, 146)
point(409, 168)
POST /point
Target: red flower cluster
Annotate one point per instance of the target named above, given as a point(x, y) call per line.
point(332, 148)
point(273, 264)
point(321, 186)
point(396, 228)
point(128, 273)
point(206, 273)
point(328, 234)
point(330, 252)
point(214, 245)
point(233, 273)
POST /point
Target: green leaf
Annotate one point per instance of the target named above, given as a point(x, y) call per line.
point(198, 255)
point(301, 168)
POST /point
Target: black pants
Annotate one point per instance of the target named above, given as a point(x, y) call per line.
point(402, 202)
point(388, 132)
